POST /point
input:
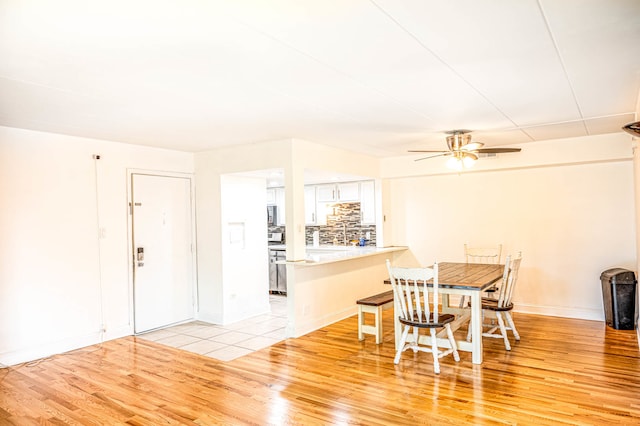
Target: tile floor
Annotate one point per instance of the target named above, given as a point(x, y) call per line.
point(226, 343)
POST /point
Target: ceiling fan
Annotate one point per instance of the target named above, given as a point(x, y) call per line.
point(462, 151)
point(633, 128)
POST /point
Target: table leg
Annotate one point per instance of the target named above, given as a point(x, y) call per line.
point(476, 327)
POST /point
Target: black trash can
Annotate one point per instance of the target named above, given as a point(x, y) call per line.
point(620, 298)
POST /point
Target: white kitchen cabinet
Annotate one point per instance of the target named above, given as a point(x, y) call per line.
point(339, 193)
point(279, 194)
point(368, 203)
point(348, 191)
point(315, 212)
point(310, 205)
point(326, 193)
point(271, 196)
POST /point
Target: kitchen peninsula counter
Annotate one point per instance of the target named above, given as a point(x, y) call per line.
point(330, 254)
point(324, 288)
point(319, 255)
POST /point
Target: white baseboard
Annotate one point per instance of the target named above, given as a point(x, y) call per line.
point(46, 350)
point(560, 311)
point(309, 325)
point(210, 318)
point(219, 319)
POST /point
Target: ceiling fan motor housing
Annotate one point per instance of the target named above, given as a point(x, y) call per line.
point(457, 140)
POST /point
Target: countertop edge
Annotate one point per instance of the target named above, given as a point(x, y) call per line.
point(354, 256)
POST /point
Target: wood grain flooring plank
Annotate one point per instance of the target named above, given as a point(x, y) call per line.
point(562, 372)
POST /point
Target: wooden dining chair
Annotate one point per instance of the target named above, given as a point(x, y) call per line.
point(499, 309)
point(484, 254)
point(416, 312)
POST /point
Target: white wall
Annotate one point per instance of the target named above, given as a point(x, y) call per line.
point(245, 258)
point(210, 167)
point(571, 220)
point(58, 281)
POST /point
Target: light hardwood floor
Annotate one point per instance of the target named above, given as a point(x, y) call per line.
point(563, 371)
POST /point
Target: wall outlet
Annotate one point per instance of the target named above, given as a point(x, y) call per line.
point(305, 310)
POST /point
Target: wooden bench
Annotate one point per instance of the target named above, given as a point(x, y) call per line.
point(373, 305)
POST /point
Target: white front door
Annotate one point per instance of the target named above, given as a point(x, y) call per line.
point(162, 251)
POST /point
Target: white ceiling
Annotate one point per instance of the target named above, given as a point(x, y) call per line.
point(379, 76)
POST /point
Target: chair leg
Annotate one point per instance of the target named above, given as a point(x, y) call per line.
point(403, 340)
point(416, 336)
point(503, 331)
point(434, 349)
point(463, 300)
point(512, 325)
point(452, 340)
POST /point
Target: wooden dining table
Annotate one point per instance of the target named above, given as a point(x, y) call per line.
point(463, 279)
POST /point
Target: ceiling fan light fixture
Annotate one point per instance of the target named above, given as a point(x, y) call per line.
point(468, 162)
point(461, 161)
point(455, 163)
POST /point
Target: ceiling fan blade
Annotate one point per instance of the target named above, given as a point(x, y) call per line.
point(443, 154)
point(632, 128)
point(469, 155)
point(420, 150)
point(497, 150)
point(473, 146)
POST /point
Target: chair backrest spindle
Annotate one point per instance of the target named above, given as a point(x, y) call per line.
point(410, 287)
point(509, 284)
point(503, 284)
point(483, 254)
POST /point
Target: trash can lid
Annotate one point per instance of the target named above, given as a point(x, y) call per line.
point(619, 276)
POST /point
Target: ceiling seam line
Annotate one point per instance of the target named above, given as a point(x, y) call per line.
point(50, 87)
point(562, 65)
point(336, 70)
point(574, 120)
point(443, 62)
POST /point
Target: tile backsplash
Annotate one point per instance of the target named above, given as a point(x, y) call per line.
point(343, 216)
point(347, 215)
